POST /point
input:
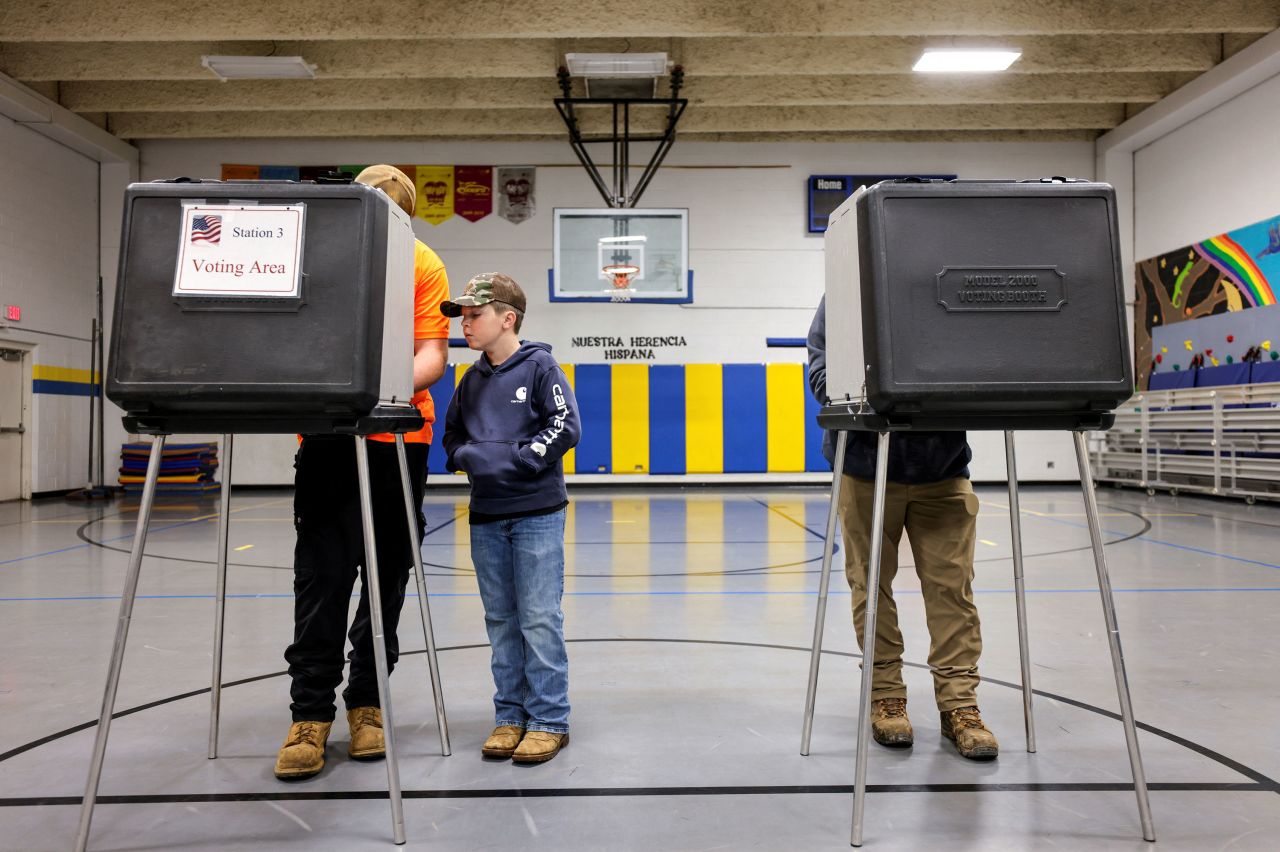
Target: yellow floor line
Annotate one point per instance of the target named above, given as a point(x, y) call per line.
point(243, 547)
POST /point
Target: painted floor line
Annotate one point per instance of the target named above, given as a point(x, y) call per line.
point(673, 593)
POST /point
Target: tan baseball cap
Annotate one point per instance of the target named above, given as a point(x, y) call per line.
point(485, 288)
point(394, 183)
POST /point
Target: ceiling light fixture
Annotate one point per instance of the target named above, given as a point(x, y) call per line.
point(618, 75)
point(259, 67)
point(965, 60)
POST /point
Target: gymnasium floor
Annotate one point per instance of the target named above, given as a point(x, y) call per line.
point(689, 615)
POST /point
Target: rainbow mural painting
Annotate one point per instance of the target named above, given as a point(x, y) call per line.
point(1235, 264)
point(1231, 272)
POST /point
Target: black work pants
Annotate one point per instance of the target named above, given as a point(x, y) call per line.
point(327, 558)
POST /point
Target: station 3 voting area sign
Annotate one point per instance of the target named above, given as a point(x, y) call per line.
point(252, 251)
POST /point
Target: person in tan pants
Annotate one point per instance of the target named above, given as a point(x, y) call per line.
point(929, 497)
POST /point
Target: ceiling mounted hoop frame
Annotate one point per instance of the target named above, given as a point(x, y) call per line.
point(619, 192)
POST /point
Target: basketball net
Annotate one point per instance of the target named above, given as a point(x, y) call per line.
point(621, 274)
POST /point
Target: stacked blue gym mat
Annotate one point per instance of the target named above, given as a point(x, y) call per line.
point(184, 468)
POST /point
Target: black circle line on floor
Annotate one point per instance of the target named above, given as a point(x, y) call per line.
point(455, 571)
point(1260, 782)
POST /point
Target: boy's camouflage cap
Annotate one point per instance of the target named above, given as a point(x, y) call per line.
point(485, 288)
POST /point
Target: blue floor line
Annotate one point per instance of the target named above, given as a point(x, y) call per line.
point(150, 531)
point(742, 593)
point(1160, 542)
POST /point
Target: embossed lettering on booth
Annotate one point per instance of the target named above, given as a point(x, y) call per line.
point(1004, 288)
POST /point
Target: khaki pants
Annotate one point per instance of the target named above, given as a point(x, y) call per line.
point(941, 523)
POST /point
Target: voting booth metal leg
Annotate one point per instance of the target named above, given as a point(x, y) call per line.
point(1020, 590)
point(433, 663)
point(373, 589)
point(220, 605)
point(1113, 638)
point(824, 583)
point(122, 634)
point(869, 636)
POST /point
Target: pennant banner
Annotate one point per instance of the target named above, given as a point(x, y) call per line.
point(313, 172)
point(473, 192)
point(515, 188)
point(232, 171)
point(435, 193)
point(278, 173)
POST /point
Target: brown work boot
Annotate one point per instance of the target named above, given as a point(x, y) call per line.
point(964, 727)
point(539, 747)
point(302, 754)
point(502, 742)
point(366, 733)
point(889, 723)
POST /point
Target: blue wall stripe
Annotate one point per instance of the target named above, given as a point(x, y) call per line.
point(813, 459)
point(593, 385)
point(62, 388)
point(791, 342)
point(441, 395)
point(666, 418)
point(746, 448)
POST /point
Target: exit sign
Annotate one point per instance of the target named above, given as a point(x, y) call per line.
point(13, 313)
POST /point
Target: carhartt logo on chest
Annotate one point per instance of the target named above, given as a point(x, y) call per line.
point(522, 394)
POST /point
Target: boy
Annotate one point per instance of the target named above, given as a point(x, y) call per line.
point(512, 419)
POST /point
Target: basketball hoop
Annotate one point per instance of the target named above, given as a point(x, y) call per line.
point(621, 274)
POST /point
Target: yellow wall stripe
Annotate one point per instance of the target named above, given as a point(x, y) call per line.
point(44, 372)
point(704, 418)
point(458, 370)
point(785, 389)
point(571, 457)
point(630, 400)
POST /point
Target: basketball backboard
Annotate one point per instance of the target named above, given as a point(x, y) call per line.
point(621, 254)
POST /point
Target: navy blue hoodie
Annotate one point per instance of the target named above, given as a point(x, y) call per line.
point(509, 427)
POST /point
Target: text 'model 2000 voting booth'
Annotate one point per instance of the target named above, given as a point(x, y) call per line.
point(265, 307)
point(956, 305)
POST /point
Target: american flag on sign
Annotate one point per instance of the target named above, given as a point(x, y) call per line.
point(207, 229)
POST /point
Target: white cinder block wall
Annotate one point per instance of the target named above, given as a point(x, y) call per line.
point(757, 273)
point(49, 267)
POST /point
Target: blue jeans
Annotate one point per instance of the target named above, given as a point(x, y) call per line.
point(520, 567)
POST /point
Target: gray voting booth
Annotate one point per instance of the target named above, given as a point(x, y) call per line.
point(955, 305)
point(265, 307)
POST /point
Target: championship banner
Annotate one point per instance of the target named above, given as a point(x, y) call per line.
point(473, 192)
point(515, 188)
point(435, 193)
point(233, 171)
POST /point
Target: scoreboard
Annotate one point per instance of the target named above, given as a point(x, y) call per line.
point(827, 192)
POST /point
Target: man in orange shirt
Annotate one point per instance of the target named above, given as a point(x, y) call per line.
point(330, 546)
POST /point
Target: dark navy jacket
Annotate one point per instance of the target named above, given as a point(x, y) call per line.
point(509, 427)
point(915, 458)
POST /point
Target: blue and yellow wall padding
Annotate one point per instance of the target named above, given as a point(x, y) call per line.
point(681, 418)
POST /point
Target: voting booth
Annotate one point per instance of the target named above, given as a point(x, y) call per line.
point(265, 307)
point(956, 305)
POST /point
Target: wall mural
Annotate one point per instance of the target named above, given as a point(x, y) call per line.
point(1234, 271)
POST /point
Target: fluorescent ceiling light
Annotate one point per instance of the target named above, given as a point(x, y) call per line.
point(622, 239)
point(259, 67)
point(616, 64)
point(965, 60)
